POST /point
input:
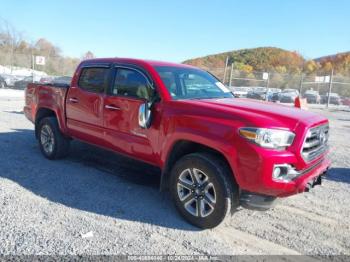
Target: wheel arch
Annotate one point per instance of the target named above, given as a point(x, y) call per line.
point(41, 113)
point(181, 148)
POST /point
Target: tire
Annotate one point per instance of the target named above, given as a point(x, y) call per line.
point(53, 145)
point(217, 195)
point(2, 84)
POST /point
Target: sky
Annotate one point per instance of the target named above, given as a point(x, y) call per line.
point(176, 30)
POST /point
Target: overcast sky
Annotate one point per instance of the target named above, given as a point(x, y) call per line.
point(175, 30)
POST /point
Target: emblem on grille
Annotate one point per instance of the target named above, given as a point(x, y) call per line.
point(323, 137)
point(315, 142)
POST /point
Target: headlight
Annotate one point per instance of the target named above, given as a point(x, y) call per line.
point(269, 138)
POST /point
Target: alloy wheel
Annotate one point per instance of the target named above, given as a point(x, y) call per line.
point(196, 192)
point(47, 139)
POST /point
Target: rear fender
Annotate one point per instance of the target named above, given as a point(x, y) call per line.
point(52, 99)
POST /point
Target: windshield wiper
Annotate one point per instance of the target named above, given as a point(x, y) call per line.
point(201, 98)
point(217, 97)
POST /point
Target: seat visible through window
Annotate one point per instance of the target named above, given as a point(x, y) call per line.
point(131, 83)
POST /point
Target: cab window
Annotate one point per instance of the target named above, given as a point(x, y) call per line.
point(131, 83)
point(94, 79)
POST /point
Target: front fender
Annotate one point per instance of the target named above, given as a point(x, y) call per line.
point(225, 146)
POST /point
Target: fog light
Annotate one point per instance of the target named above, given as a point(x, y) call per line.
point(276, 172)
point(284, 172)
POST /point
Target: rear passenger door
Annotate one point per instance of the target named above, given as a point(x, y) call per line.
point(84, 105)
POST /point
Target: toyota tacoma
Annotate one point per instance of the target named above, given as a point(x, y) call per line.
point(216, 152)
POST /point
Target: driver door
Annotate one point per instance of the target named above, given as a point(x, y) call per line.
point(129, 90)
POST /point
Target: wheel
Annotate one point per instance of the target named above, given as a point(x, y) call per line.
point(2, 84)
point(202, 189)
point(52, 143)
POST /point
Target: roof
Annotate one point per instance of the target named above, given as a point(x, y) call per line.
point(152, 63)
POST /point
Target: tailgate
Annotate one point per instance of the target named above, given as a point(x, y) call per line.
point(29, 105)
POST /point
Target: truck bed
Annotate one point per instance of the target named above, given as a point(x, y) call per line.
point(44, 96)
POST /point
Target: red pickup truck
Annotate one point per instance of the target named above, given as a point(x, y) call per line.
point(216, 152)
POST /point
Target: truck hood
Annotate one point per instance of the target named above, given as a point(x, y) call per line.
point(259, 113)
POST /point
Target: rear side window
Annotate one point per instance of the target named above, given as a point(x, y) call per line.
point(94, 79)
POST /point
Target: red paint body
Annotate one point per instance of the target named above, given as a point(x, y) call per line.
point(212, 122)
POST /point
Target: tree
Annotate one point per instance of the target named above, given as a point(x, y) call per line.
point(327, 67)
point(88, 55)
point(16, 51)
point(310, 67)
point(242, 67)
point(281, 69)
point(46, 48)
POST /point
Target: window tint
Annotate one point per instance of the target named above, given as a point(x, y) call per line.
point(94, 79)
point(131, 83)
point(169, 81)
point(189, 83)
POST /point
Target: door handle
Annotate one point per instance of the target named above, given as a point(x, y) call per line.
point(73, 100)
point(112, 107)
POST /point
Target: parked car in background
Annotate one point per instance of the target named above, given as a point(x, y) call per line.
point(312, 97)
point(62, 80)
point(334, 99)
point(22, 84)
point(274, 90)
point(275, 97)
point(10, 79)
point(345, 101)
point(258, 93)
point(46, 80)
point(2, 82)
point(288, 95)
point(239, 92)
point(273, 94)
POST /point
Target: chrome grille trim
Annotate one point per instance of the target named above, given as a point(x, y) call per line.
point(315, 143)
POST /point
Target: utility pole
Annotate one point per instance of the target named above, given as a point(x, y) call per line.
point(12, 58)
point(230, 84)
point(267, 86)
point(267, 81)
point(330, 87)
point(33, 66)
point(225, 70)
point(301, 83)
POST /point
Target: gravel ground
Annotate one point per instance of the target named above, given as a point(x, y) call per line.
point(96, 202)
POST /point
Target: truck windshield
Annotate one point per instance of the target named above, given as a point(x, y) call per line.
point(188, 83)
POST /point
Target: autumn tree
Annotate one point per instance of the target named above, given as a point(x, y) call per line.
point(310, 66)
point(16, 51)
point(88, 55)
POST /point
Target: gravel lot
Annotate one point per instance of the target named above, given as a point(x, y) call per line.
point(96, 202)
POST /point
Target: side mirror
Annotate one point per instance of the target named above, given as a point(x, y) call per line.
point(145, 115)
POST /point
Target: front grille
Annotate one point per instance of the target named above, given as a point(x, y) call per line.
point(316, 142)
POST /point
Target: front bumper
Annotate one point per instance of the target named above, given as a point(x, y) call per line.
point(260, 202)
point(308, 177)
point(254, 166)
point(257, 202)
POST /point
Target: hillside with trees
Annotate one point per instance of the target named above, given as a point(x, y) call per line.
point(287, 69)
point(271, 59)
point(16, 51)
point(340, 62)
